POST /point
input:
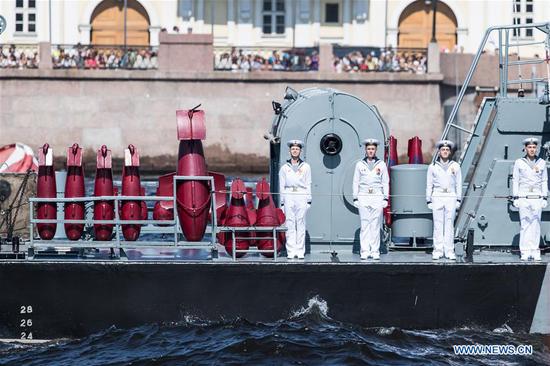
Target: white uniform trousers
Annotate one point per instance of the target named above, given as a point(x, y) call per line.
point(444, 212)
point(530, 211)
point(370, 212)
point(295, 211)
point(371, 224)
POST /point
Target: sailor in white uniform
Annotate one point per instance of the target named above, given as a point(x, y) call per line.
point(443, 196)
point(530, 191)
point(370, 196)
point(295, 188)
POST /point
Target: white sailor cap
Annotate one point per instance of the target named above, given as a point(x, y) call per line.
point(368, 142)
point(531, 141)
point(298, 143)
point(445, 143)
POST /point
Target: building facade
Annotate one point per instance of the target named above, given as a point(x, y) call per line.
point(460, 24)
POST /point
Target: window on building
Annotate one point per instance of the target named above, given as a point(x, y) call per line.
point(273, 16)
point(331, 13)
point(185, 9)
point(529, 6)
point(25, 16)
point(517, 6)
point(529, 31)
point(522, 14)
point(19, 22)
point(515, 31)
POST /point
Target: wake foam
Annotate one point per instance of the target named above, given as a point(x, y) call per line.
point(315, 306)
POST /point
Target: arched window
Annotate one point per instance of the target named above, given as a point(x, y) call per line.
point(415, 25)
point(108, 24)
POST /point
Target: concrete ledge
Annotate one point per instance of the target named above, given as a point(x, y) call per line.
point(185, 38)
point(222, 76)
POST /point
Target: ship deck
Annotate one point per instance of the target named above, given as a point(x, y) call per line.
point(317, 254)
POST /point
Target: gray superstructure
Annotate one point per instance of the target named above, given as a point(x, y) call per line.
point(332, 125)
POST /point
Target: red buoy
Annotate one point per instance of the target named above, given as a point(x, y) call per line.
point(268, 215)
point(193, 196)
point(46, 188)
point(236, 215)
point(164, 210)
point(74, 187)
point(131, 186)
point(103, 186)
point(221, 196)
point(415, 151)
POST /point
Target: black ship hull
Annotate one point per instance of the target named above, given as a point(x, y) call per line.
point(72, 299)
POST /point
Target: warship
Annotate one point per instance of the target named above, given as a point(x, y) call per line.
point(211, 252)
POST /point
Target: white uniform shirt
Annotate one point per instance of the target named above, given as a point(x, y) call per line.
point(530, 179)
point(444, 181)
point(367, 181)
point(289, 180)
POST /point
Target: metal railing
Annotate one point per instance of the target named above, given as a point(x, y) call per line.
point(246, 59)
point(504, 48)
point(104, 57)
point(19, 56)
point(35, 244)
point(375, 59)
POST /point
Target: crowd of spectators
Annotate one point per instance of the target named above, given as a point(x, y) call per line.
point(390, 60)
point(18, 57)
point(103, 57)
point(302, 59)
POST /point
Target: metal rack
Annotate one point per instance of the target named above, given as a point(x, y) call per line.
point(118, 244)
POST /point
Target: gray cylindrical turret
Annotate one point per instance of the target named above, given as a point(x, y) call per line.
point(411, 216)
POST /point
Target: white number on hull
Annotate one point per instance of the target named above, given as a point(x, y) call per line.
point(26, 323)
point(26, 309)
point(25, 335)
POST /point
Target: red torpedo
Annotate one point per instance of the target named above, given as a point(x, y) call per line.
point(236, 215)
point(46, 188)
point(74, 187)
point(131, 186)
point(164, 210)
point(268, 215)
point(192, 196)
point(103, 186)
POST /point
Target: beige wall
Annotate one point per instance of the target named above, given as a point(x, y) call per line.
point(107, 108)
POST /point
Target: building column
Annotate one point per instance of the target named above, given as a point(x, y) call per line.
point(316, 21)
point(290, 21)
point(258, 21)
point(199, 16)
point(85, 33)
point(346, 21)
point(154, 35)
point(304, 32)
point(391, 37)
point(461, 37)
point(231, 21)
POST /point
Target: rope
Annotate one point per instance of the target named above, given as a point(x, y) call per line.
point(10, 217)
point(496, 196)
